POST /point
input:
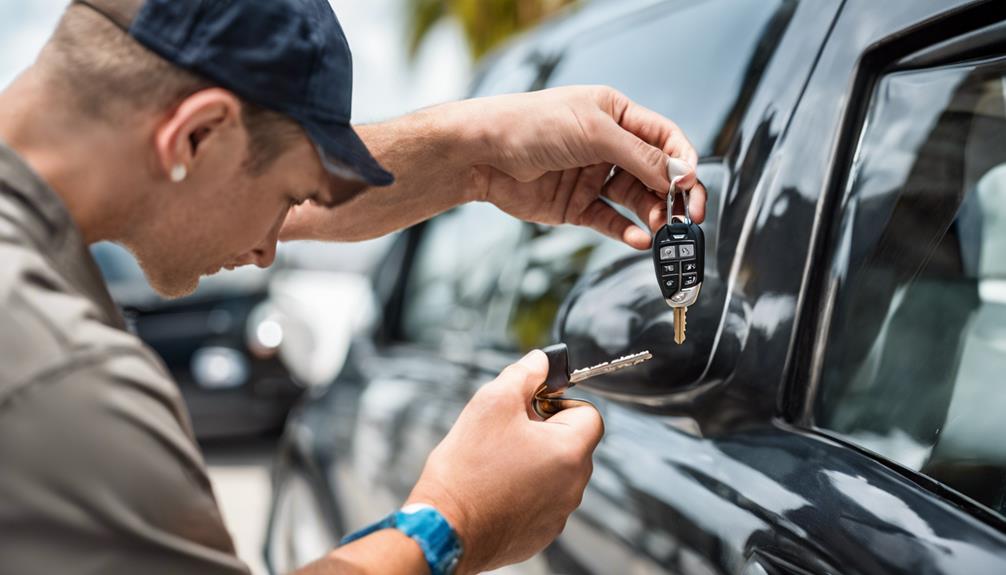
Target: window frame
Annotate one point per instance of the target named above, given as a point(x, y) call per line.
point(926, 47)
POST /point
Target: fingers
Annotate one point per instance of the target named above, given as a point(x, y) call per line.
point(639, 140)
point(697, 202)
point(586, 188)
point(603, 218)
point(585, 422)
point(624, 149)
point(654, 129)
point(624, 189)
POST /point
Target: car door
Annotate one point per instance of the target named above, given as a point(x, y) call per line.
point(812, 440)
point(651, 507)
point(415, 380)
point(904, 353)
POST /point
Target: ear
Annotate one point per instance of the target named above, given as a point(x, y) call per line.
point(182, 138)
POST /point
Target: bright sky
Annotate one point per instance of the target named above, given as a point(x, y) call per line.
point(385, 84)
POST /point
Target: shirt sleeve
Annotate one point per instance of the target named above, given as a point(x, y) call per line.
point(99, 473)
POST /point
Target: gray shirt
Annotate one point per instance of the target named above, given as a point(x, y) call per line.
point(99, 471)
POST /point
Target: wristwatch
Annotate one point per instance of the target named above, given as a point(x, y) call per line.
point(424, 524)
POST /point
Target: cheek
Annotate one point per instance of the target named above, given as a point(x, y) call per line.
point(256, 215)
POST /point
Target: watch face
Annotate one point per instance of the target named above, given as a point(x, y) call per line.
point(440, 543)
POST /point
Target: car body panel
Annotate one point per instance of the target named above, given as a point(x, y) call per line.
point(702, 469)
point(861, 515)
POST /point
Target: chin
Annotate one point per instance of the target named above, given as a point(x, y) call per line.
point(169, 281)
point(173, 288)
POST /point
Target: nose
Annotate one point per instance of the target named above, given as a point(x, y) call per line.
point(264, 254)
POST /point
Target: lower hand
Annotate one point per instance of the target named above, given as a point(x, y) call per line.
point(552, 153)
point(504, 479)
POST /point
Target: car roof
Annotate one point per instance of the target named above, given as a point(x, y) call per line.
point(553, 35)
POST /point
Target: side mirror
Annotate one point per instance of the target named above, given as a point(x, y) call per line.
point(619, 310)
point(319, 314)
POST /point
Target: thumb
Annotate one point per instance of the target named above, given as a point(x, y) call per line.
point(585, 422)
point(680, 173)
point(524, 377)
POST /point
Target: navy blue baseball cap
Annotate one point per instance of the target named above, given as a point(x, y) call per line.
point(289, 56)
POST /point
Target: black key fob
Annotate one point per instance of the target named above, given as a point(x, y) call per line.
point(679, 253)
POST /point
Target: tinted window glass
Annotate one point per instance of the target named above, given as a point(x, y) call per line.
point(915, 367)
point(538, 279)
point(640, 56)
point(457, 265)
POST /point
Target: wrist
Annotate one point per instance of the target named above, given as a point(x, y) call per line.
point(384, 551)
point(468, 140)
point(459, 519)
point(429, 530)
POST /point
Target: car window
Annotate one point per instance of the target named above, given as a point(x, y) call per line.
point(641, 57)
point(456, 267)
point(915, 363)
point(537, 280)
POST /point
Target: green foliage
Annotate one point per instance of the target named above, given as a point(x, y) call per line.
point(486, 23)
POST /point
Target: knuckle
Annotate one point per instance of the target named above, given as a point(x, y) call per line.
point(608, 93)
point(516, 372)
point(651, 155)
point(576, 217)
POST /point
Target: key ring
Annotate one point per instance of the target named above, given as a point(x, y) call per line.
point(670, 200)
point(548, 403)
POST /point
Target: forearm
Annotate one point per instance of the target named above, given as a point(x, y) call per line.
point(433, 154)
point(384, 552)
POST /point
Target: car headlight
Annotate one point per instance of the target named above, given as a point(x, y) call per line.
point(219, 368)
point(265, 331)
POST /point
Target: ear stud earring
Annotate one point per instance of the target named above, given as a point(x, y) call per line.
point(179, 173)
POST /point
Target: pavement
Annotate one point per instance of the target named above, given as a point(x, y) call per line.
point(240, 472)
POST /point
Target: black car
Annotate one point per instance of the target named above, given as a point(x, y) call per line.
point(837, 405)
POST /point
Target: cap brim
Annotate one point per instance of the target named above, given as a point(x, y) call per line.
point(344, 154)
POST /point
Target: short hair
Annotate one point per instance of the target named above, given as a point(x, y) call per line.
point(106, 72)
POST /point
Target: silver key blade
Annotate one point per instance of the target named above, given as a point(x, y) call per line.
point(680, 324)
point(609, 366)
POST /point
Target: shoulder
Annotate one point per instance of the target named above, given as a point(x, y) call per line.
point(45, 323)
point(99, 459)
point(101, 452)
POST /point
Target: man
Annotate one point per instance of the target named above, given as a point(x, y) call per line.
point(197, 134)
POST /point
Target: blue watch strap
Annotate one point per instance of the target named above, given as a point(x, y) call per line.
point(427, 527)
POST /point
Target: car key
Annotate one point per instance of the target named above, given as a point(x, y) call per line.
point(548, 399)
point(679, 259)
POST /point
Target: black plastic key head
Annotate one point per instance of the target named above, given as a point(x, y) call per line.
point(558, 368)
point(679, 258)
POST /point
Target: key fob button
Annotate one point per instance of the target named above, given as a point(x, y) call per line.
point(689, 266)
point(668, 253)
point(670, 284)
point(669, 269)
point(689, 280)
point(687, 250)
